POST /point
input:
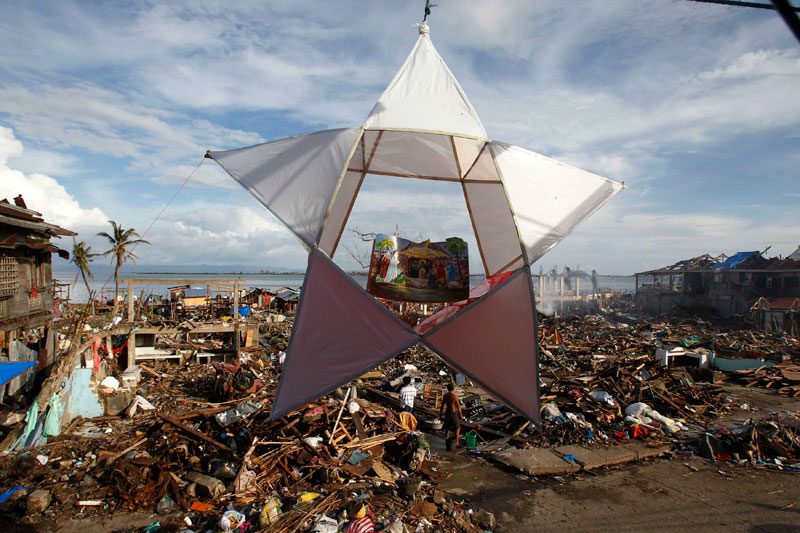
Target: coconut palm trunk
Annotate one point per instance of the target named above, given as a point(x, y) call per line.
point(122, 245)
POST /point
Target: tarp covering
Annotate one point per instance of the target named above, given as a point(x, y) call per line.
point(734, 260)
point(339, 332)
point(9, 371)
point(18, 352)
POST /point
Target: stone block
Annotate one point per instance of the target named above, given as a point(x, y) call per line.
point(117, 401)
point(484, 520)
point(38, 501)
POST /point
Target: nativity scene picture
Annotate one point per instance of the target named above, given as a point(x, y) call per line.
point(419, 272)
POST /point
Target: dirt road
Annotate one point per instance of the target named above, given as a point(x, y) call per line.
point(664, 495)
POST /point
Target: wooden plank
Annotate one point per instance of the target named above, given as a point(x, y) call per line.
point(360, 431)
point(192, 431)
point(126, 450)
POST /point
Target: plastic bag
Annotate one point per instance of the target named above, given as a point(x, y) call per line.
point(324, 524)
point(231, 521)
point(52, 424)
point(166, 505)
point(271, 512)
point(603, 397)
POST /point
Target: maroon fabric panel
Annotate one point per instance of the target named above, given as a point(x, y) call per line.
point(451, 310)
point(494, 342)
point(340, 332)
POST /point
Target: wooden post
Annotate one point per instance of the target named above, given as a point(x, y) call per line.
point(131, 309)
point(237, 342)
point(131, 349)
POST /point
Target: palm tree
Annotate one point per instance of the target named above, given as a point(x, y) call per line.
point(456, 246)
point(120, 240)
point(81, 257)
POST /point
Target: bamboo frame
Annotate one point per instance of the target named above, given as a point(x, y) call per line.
point(422, 177)
point(364, 173)
point(335, 191)
point(504, 267)
point(480, 153)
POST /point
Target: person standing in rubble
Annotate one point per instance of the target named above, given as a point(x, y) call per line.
point(451, 407)
point(407, 394)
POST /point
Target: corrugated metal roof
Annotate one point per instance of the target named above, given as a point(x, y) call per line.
point(781, 303)
point(194, 293)
point(287, 294)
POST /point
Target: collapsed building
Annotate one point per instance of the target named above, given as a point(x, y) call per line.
point(740, 284)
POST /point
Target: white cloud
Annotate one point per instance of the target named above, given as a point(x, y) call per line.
point(221, 234)
point(104, 122)
point(46, 162)
point(43, 193)
point(648, 236)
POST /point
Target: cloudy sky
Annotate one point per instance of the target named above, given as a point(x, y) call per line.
point(106, 107)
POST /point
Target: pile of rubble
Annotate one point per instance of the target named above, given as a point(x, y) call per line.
point(225, 464)
point(195, 443)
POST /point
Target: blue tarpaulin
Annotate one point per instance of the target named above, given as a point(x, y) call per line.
point(734, 260)
point(9, 371)
point(243, 311)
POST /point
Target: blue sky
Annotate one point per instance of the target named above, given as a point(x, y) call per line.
point(106, 107)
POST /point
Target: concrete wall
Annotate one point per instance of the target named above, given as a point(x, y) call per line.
point(727, 292)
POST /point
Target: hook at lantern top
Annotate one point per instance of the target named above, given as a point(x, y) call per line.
point(428, 7)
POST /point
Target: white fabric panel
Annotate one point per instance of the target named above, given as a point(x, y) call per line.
point(468, 150)
point(549, 198)
point(424, 95)
point(337, 217)
point(494, 223)
point(293, 177)
point(418, 154)
point(484, 168)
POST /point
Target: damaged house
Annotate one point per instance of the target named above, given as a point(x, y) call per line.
point(726, 285)
point(26, 290)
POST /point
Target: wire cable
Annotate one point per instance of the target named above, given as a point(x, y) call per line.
point(739, 3)
point(142, 236)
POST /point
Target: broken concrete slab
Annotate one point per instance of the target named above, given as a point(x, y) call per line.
point(535, 461)
point(643, 451)
point(588, 457)
point(117, 401)
point(617, 455)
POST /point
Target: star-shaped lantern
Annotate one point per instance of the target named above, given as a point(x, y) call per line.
point(520, 203)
